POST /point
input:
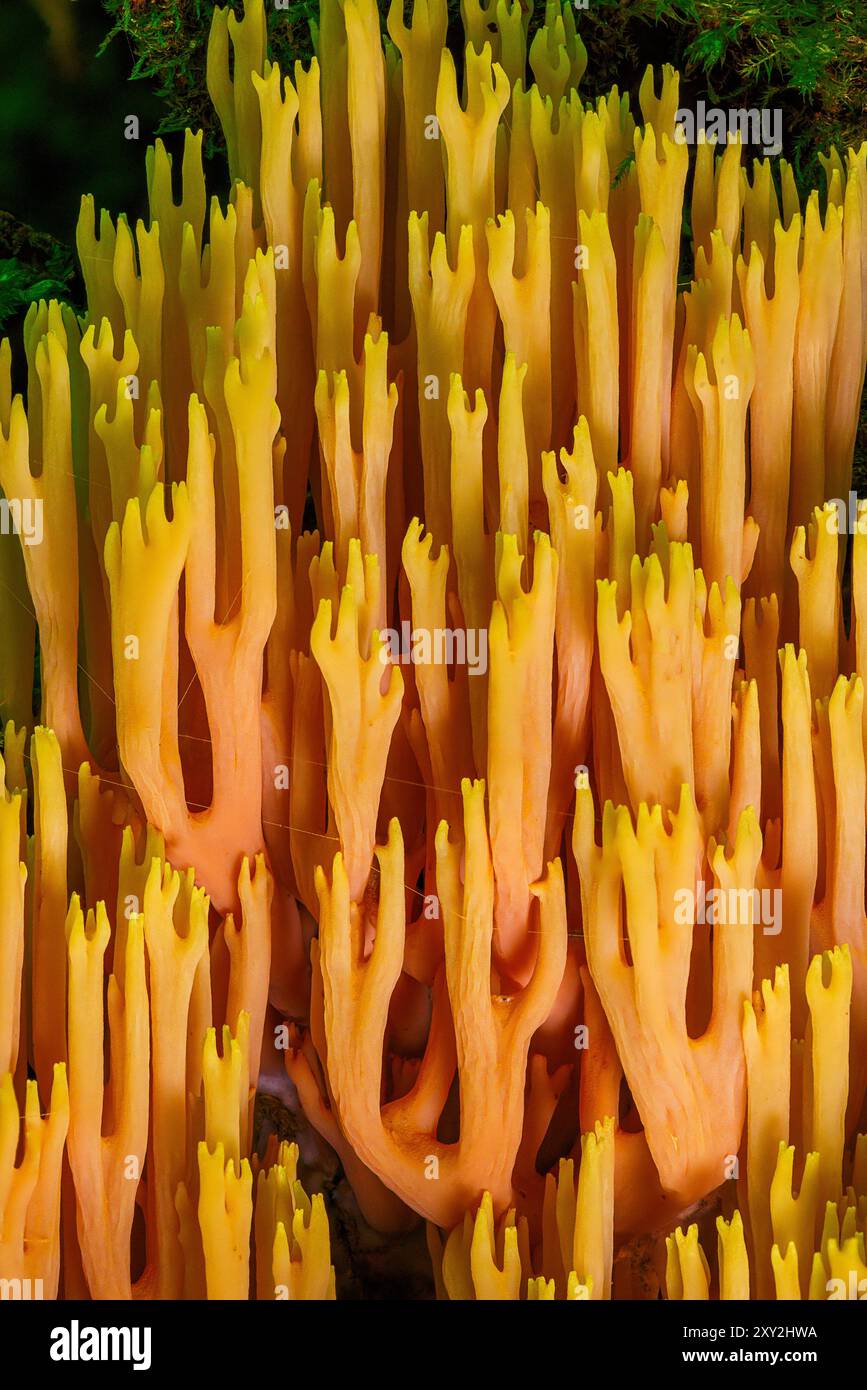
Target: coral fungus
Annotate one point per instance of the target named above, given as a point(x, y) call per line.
point(448, 749)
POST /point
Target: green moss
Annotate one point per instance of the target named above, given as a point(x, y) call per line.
point(808, 57)
point(32, 266)
point(169, 41)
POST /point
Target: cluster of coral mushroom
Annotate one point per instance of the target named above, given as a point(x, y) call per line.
point(448, 291)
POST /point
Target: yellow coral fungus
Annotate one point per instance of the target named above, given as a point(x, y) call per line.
point(444, 799)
